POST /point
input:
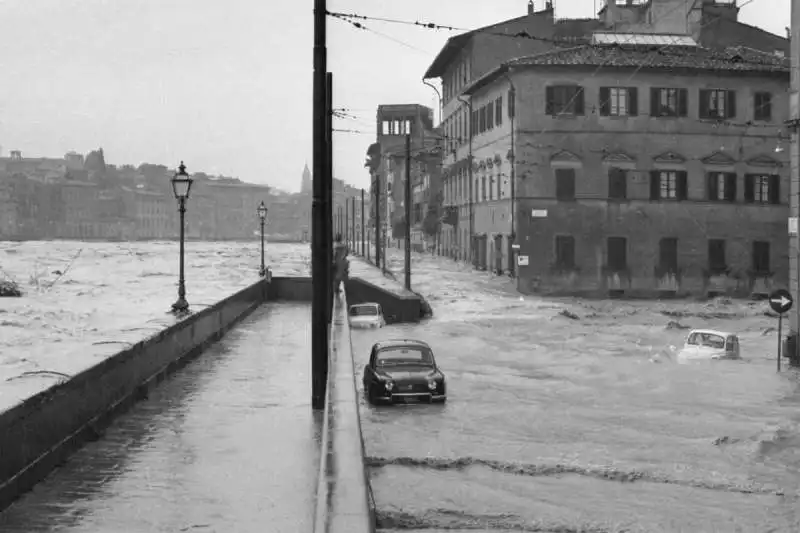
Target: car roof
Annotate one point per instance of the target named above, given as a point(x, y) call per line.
point(393, 343)
point(368, 304)
point(713, 332)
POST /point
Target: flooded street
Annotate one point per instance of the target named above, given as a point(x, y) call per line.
point(565, 423)
point(228, 444)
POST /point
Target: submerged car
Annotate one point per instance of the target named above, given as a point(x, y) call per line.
point(709, 344)
point(401, 370)
point(369, 315)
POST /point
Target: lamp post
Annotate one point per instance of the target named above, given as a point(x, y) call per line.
point(262, 215)
point(181, 185)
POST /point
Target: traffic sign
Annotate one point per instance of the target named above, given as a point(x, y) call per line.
point(781, 301)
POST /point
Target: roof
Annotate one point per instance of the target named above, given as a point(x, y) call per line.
point(644, 58)
point(391, 343)
point(654, 39)
point(712, 332)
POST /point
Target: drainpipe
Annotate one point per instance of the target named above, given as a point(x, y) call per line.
point(438, 94)
point(513, 177)
point(469, 174)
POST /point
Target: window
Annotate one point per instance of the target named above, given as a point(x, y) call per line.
point(668, 185)
point(565, 252)
point(617, 183)
point(564, 100)
point(474, 124)
point(762, 189)
point(489, 116)
point(491, 187)
point(669, 102)
point(511, 103)
point(617, 253)
point(762, 106)
point(498, 111)
point(499, 184)
point(482, 119)
point(760, 258)
point(668, 255)
point(483, 188)
point(618, 101)
point(721, 186)
point(565, 183)
point(716, 257)
point(717, 103)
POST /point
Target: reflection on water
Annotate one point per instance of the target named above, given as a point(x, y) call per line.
point(228, 444)
point(567, 422)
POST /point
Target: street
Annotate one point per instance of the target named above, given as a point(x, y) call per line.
point(566, 422)
point(228, 444)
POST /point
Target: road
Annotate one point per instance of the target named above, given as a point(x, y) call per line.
point(229, 444)
point(566, 422)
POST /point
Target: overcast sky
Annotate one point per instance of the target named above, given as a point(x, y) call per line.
point(226, 85)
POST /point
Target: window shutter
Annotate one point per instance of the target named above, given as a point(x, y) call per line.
point(774, 189)
point(702, 107)
point(655, 184)
point(654, 107)
point(498, 112)
point(549, 95)
point(713, 186)
point(682, 187)
point(633, 101)
point(579, 104)
point(605, 105)
point(749, 193)
point(683, 103)
point(731, 104)
point(730, 186)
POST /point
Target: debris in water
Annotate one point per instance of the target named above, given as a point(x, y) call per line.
point(568, 314)
point(768, 331)
point(10, 289)
point(674, 324)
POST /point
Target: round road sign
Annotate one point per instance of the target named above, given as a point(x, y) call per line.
point(781, 301)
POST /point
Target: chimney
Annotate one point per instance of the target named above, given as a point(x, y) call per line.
point(530, 7)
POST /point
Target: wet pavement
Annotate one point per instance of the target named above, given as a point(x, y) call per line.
point(563, 424)
point(228, 444)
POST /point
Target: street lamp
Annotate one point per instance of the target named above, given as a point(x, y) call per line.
point(262, 215)
point(181, 185)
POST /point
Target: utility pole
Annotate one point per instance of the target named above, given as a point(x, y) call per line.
point(363, 235)
point(346, 228)
point(329, 195)
point(408, 211)
point(320, 267)
point(353, 222)
point(377, 219)
point(512, 260)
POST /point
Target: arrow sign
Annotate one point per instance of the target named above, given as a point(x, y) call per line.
point(781, 301)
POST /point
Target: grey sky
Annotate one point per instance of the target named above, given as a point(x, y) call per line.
point(226, 85)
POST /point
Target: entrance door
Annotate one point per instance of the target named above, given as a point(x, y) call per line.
point(498, 254)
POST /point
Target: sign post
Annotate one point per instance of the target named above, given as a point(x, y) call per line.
point(781, 302)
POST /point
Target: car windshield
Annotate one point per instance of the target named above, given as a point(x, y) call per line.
point(364, 310)
point(710, 340)
point(404, 355)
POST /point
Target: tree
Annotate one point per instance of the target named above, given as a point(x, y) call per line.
point(95, 162)
point(373, 161)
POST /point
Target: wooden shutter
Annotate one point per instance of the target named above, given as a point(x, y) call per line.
point(774, 189)
point(654, 102)
point(730, 186)
point(605, 104)
point(579, 103)
point(712, 186)
point(730, 104)
point(633, 101)
point(683, 102)
point(655, 185)
point(702, 107)
point(682, 185)
point(548, 96)
point(498, 112)
point(749, 193)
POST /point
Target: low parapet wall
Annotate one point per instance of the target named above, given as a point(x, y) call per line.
point(397, 307)
point(39, 433)
point(343, 495)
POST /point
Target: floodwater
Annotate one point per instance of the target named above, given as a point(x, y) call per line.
point(228, 444)
point(85, 301)
point(564, 424)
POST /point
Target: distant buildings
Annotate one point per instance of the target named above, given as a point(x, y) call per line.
point(636, 153)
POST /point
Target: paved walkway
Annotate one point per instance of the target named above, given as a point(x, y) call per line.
point(229, 443)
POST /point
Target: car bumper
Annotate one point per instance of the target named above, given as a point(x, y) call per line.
point(400, 397)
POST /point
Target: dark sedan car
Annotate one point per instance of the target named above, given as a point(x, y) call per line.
point(401, 370)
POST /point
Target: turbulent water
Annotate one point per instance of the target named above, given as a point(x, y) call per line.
point(86, 300)
point(567, 422)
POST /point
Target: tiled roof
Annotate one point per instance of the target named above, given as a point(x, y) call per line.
point(658, 57)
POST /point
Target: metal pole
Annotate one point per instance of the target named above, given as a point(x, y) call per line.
point(320, 266)
point(377, 219)
point(353, 222)
point(329, 193)
point(263, 271)
point(780, 334)
point(363, 234)
point(512, 266)
point(181, 305)
point(408, 211)
point(346, 228)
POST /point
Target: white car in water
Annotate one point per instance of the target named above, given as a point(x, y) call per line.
point(709, 344)
point(368, 315)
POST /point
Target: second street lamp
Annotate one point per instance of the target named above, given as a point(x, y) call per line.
point(262, 215)
point(181, 185)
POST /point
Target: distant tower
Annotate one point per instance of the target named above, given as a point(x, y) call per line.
point(307, 186)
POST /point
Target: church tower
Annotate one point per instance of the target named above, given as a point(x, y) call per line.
point(307, 186)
